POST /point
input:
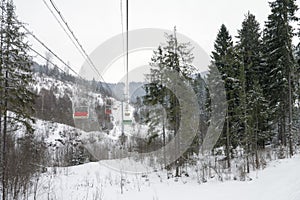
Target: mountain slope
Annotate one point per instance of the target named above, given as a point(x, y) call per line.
point(280, 181)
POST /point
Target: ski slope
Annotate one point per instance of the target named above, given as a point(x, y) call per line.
point(279, 181)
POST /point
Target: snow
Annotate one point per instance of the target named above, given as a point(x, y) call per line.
point(104, 179)
point(280, 181)
point(47, 83)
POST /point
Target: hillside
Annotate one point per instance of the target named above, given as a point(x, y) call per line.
point(95, 181)
point(149, 100)
point(109, 178)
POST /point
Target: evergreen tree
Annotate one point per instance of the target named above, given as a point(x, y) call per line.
point(280, 65)
point(201, 92)
point(249, 49)
point(223, 59)
point(155, 95)
point(176, 57)
point(16, 97)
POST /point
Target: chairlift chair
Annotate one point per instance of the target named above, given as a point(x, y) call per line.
point(127, 116)
point(81, 112)
point(108, 104)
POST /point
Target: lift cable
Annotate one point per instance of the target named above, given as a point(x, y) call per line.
point(79, 44)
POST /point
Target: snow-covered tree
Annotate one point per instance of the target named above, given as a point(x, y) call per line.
point(176, 57)
point(280, 66)
point(251, 98)
point(223, 60)
point(16, 98)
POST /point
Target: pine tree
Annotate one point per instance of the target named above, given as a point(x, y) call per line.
point(155, 95)
point(280, 63)
point(175, 57)
point(16, 97)
point(249, 49)
point(223, 59)
point(258, 120)
point(201, 92)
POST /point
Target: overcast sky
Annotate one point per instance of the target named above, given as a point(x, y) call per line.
point(95, 21)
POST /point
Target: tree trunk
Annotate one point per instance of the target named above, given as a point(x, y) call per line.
point(247, 158)
point(290, 117)
point(4, 148)
point(228, 143)
point(164, 142)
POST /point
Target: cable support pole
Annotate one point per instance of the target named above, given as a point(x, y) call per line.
point(127, 56)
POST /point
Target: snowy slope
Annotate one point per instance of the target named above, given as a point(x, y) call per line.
point(99, 180)
point(281, 181)
point(62, 88)
point(83, 96)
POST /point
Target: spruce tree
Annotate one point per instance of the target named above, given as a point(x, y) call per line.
point(201, 92)
point(279, 67)
point(175, 57)
point(223, 59)
point(249, 49)
point(16, 76)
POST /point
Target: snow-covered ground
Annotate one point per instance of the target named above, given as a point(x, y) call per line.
point(280, 181)
point(98, 180)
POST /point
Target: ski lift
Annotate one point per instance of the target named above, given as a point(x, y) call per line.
point(127, 113)
point(108, 104)
point(108, 111)
point(127, 116)
point(127, 121)
point(81, 112)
